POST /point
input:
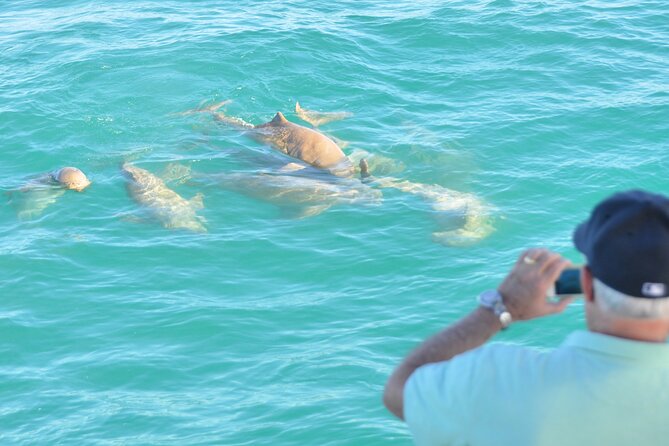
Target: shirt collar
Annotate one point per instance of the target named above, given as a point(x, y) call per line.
point(615, 346)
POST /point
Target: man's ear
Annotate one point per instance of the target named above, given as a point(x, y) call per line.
point(586, 284)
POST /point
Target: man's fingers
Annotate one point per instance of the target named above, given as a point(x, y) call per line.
point(540, 254)
point(554, 269)
point(559, 307)
point(532, 257)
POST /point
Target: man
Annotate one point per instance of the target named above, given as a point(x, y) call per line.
point(608, 385)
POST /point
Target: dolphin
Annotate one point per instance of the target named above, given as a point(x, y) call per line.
point(296, 193)
point(71, 178)
point(462, 218)
point(305, 144)
point(44, 190)
point(165, 205)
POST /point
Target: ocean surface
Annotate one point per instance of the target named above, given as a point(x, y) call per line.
point(489, 126)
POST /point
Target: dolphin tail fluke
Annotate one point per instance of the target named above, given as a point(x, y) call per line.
point(319, 118)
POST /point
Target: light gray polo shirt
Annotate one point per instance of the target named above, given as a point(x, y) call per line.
point(592, 390)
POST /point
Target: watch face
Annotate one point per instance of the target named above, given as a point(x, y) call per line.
point(489, 298)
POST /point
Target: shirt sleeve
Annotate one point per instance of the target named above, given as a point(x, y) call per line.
point(445, 402)
point(435, 399)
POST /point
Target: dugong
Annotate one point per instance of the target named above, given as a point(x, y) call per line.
point(305, 144)
point(45, 189)
point(165, 205)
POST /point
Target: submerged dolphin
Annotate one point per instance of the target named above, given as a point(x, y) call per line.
point(305, 144)
point(165, 205)
point(462, 218)
point(297, 194)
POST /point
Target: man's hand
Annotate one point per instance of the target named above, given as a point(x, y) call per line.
point(524, 294)
point(524, 288)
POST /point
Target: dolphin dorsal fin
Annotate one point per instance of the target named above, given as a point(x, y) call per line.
point(279, 118)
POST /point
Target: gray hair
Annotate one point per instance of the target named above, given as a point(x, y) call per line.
point(623, 305)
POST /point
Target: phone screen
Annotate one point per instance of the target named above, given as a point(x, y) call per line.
point(569, 282)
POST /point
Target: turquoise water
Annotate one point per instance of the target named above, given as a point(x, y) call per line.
point(269, 328)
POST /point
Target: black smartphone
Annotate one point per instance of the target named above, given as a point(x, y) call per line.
point(569, 282)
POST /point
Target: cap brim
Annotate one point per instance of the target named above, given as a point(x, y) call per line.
point(579, 238)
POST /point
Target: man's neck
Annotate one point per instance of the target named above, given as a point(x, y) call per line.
point(646, 331)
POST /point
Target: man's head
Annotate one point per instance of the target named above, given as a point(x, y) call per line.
point(72, 178)
point(626, 243)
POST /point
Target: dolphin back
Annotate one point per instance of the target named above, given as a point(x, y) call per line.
point(165, 205)
point(300, 142)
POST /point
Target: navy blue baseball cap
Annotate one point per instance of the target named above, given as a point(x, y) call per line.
point(626, 242)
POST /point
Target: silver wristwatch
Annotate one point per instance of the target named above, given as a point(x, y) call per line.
point(492, 300)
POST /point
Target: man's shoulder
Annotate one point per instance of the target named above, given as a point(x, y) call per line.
point(507, 353)
point(488, 363)
point(449, 396)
